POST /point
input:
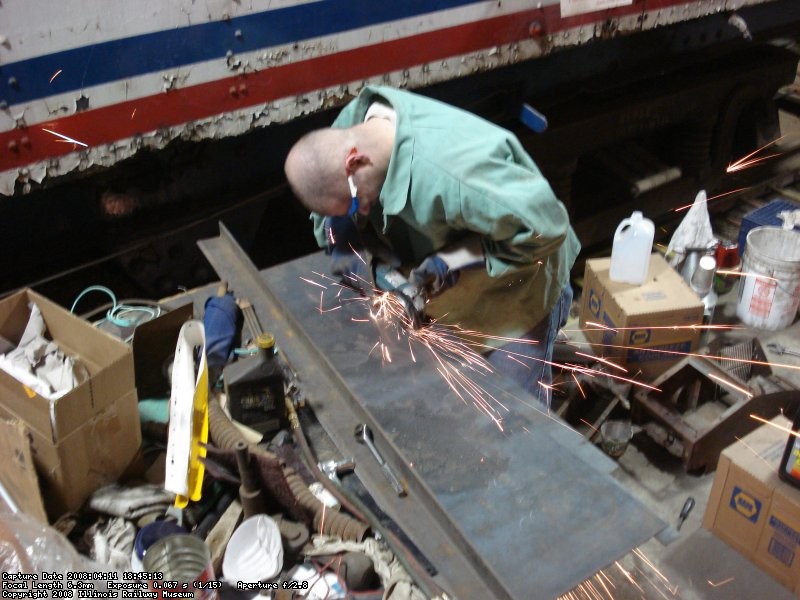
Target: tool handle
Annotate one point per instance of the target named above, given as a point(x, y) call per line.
point(395, 483)
point(687, 508)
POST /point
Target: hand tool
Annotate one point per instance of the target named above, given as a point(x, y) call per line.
point(781, 350)
point(364, 436)
point(391, 281)
point(687, 508)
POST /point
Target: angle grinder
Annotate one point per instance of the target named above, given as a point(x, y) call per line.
point(391, 281)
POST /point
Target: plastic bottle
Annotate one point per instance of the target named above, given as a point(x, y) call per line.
point(255, 389)
point(630, 253)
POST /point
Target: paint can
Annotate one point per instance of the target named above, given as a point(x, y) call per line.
point(179, 564)
point(616, 435)
point(769, 288)
point(149, 535)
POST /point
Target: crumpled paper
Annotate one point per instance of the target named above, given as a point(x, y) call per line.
point(38, 362)
point(693, 233)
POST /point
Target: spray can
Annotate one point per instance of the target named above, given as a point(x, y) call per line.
point(255, 389)
point(630, 252)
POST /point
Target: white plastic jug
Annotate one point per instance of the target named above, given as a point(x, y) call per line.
point(630, 253)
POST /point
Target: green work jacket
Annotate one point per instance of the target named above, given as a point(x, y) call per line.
point(454, 174)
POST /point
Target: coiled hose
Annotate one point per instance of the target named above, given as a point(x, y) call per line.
point(285, 484)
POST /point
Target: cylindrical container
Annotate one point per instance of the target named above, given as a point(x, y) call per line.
point(703, 276)
point(769, 288)
point(631, 249)
point(616, 435)
point(181, 563)
point(149, 535)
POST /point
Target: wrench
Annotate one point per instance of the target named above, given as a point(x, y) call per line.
point(781, 350)
point(364, 436)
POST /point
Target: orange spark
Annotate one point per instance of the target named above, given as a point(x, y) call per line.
point(711, 356)
point(580, 387)
point(712, 198)
point(730, 384)
point(719, 583)
point(747, 161)
point(775, 425)
point(628, 576)
point(604, 361)
point(56, 74)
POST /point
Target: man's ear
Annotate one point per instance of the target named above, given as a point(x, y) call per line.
point(354, 160)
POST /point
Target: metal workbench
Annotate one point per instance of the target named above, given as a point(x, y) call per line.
point(522, 511)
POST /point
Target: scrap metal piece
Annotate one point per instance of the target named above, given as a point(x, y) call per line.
point(695, 384)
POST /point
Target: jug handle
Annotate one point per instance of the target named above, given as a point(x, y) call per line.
point(625, 223)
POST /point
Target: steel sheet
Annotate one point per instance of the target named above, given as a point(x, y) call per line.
point(531, 506)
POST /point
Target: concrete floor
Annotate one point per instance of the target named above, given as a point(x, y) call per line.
point(690, 563)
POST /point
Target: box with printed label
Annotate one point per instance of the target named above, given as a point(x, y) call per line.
point(645, 327)
point(83, 438)
point(751, 509)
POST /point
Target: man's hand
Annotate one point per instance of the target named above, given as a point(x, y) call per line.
point(349, 261)
point(433, 275)
point(342, 235)
point(352, 269)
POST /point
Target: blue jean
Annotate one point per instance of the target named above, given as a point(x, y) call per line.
point(529, 364)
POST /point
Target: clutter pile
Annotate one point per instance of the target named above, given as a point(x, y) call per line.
point(666, 362)
point(217, 494)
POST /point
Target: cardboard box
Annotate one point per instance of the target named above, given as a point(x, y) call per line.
point(87, 437)
point(642, 327)
point(752, 509)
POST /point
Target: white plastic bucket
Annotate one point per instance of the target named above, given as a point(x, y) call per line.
point(769, 289)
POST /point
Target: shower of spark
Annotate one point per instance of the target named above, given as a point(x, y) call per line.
point(676, 353)
point(607, 584)
point(748, 160)
point(456, 352)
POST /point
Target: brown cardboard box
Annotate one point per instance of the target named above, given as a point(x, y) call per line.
point(751, 509)
point(643, 327)
point(778, 547)
point(87, 437)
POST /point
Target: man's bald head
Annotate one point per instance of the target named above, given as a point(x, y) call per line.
point(315, 170)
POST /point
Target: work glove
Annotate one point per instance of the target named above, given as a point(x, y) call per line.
point(346, 248)
point(131, 502)
point(440, 271)
point(111, 543)
point(433, 275)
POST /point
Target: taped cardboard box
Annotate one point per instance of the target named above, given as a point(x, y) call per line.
point(645, 327)
point(85, 438)
point(752, 510)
